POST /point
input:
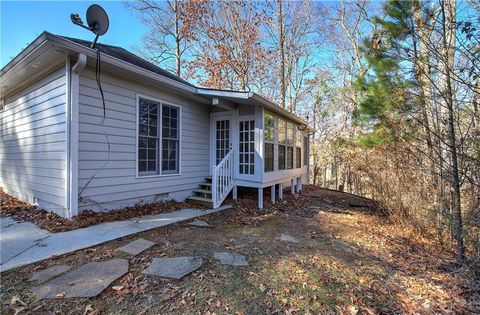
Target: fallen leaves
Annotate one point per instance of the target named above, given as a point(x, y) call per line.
point(130, 285)
point(11, 206)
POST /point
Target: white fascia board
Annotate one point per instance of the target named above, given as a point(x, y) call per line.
point(220, 93)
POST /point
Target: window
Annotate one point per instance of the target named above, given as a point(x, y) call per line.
point(148, 137)
point(289, 157)
point(269, 136)
point(281, 156)
point(155, 157)
point(305, 151)
point(222, 145)
point(269, 128)
point(247, 147)
point(298, 159)
point(282, 141)
point(290, 144)
point(298, 148)
point(170, 139)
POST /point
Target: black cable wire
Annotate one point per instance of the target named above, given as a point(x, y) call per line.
point(98, 72)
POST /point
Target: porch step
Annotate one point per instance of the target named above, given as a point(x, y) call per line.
point(203, 191)
point(203, 194)
point(205, 201)
point(206, 186)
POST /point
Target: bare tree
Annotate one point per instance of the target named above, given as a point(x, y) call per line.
point(171, 32)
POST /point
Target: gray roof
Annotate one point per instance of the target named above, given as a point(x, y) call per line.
point(127, 56)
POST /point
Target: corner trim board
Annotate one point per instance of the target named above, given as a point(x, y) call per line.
point(72, 134)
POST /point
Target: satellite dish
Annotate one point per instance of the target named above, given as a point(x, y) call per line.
point(97, 20)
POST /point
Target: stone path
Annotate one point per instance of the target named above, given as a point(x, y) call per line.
point(25, 243)
point(232, 259)
point(49, 273)
point(136, 247)
point(17, 237)
point(86, 281)
point(288, 238)
point(175, 268)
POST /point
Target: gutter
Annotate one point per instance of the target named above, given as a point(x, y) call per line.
point(73, 78)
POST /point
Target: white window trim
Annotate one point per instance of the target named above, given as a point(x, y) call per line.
point(137, 119)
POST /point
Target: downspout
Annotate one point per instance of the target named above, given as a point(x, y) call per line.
point(72, 134)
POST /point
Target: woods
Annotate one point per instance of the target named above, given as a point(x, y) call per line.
point(392, 90)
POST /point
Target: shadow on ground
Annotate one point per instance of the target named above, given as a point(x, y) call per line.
point(349, 260)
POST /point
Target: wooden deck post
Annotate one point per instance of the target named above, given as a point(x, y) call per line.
point(234, 193)
point(292, 187)
point(272, 194)
point(260, 198)
point(299, 184)
point(280, 191)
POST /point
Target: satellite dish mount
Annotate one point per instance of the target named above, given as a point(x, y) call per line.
point(97, 20)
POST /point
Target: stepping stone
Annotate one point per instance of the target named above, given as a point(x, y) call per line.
point(86, 281)
point(200, 223)
point(231, 259)
point(137, 246)
point(175, 268)
point(289, 238)
point(49, 273)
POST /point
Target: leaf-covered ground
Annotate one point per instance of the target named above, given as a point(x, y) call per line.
point(10, 206)
point(350, 260)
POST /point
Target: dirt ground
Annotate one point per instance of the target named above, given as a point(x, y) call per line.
point(350, 260)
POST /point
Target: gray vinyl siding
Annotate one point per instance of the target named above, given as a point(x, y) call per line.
point(115, 184)
point(33, 143)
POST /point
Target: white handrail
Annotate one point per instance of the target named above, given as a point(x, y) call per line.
point(223, 178)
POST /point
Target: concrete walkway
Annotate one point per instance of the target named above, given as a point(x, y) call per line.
point(23, 243)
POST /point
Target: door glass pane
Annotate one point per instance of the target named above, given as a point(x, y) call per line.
point(222, 140)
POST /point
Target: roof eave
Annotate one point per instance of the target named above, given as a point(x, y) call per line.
point(37, 42)
point(275, 108)
point(119, 63)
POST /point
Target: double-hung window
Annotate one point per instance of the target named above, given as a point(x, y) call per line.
point(269, 141)
point(158, 138)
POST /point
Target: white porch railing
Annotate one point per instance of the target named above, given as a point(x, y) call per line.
point(223, 178)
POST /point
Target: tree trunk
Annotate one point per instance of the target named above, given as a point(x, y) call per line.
point(281, 48)
point(178, 57)
point(448, 38)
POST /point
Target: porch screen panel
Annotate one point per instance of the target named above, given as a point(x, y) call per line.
point(290, 144)
point(298, 148)
point(247, 147)
point(148, 137)
point(305, 151)
point(282, 141)
point(269, 137)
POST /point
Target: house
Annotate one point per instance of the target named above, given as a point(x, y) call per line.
point(152, 136)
